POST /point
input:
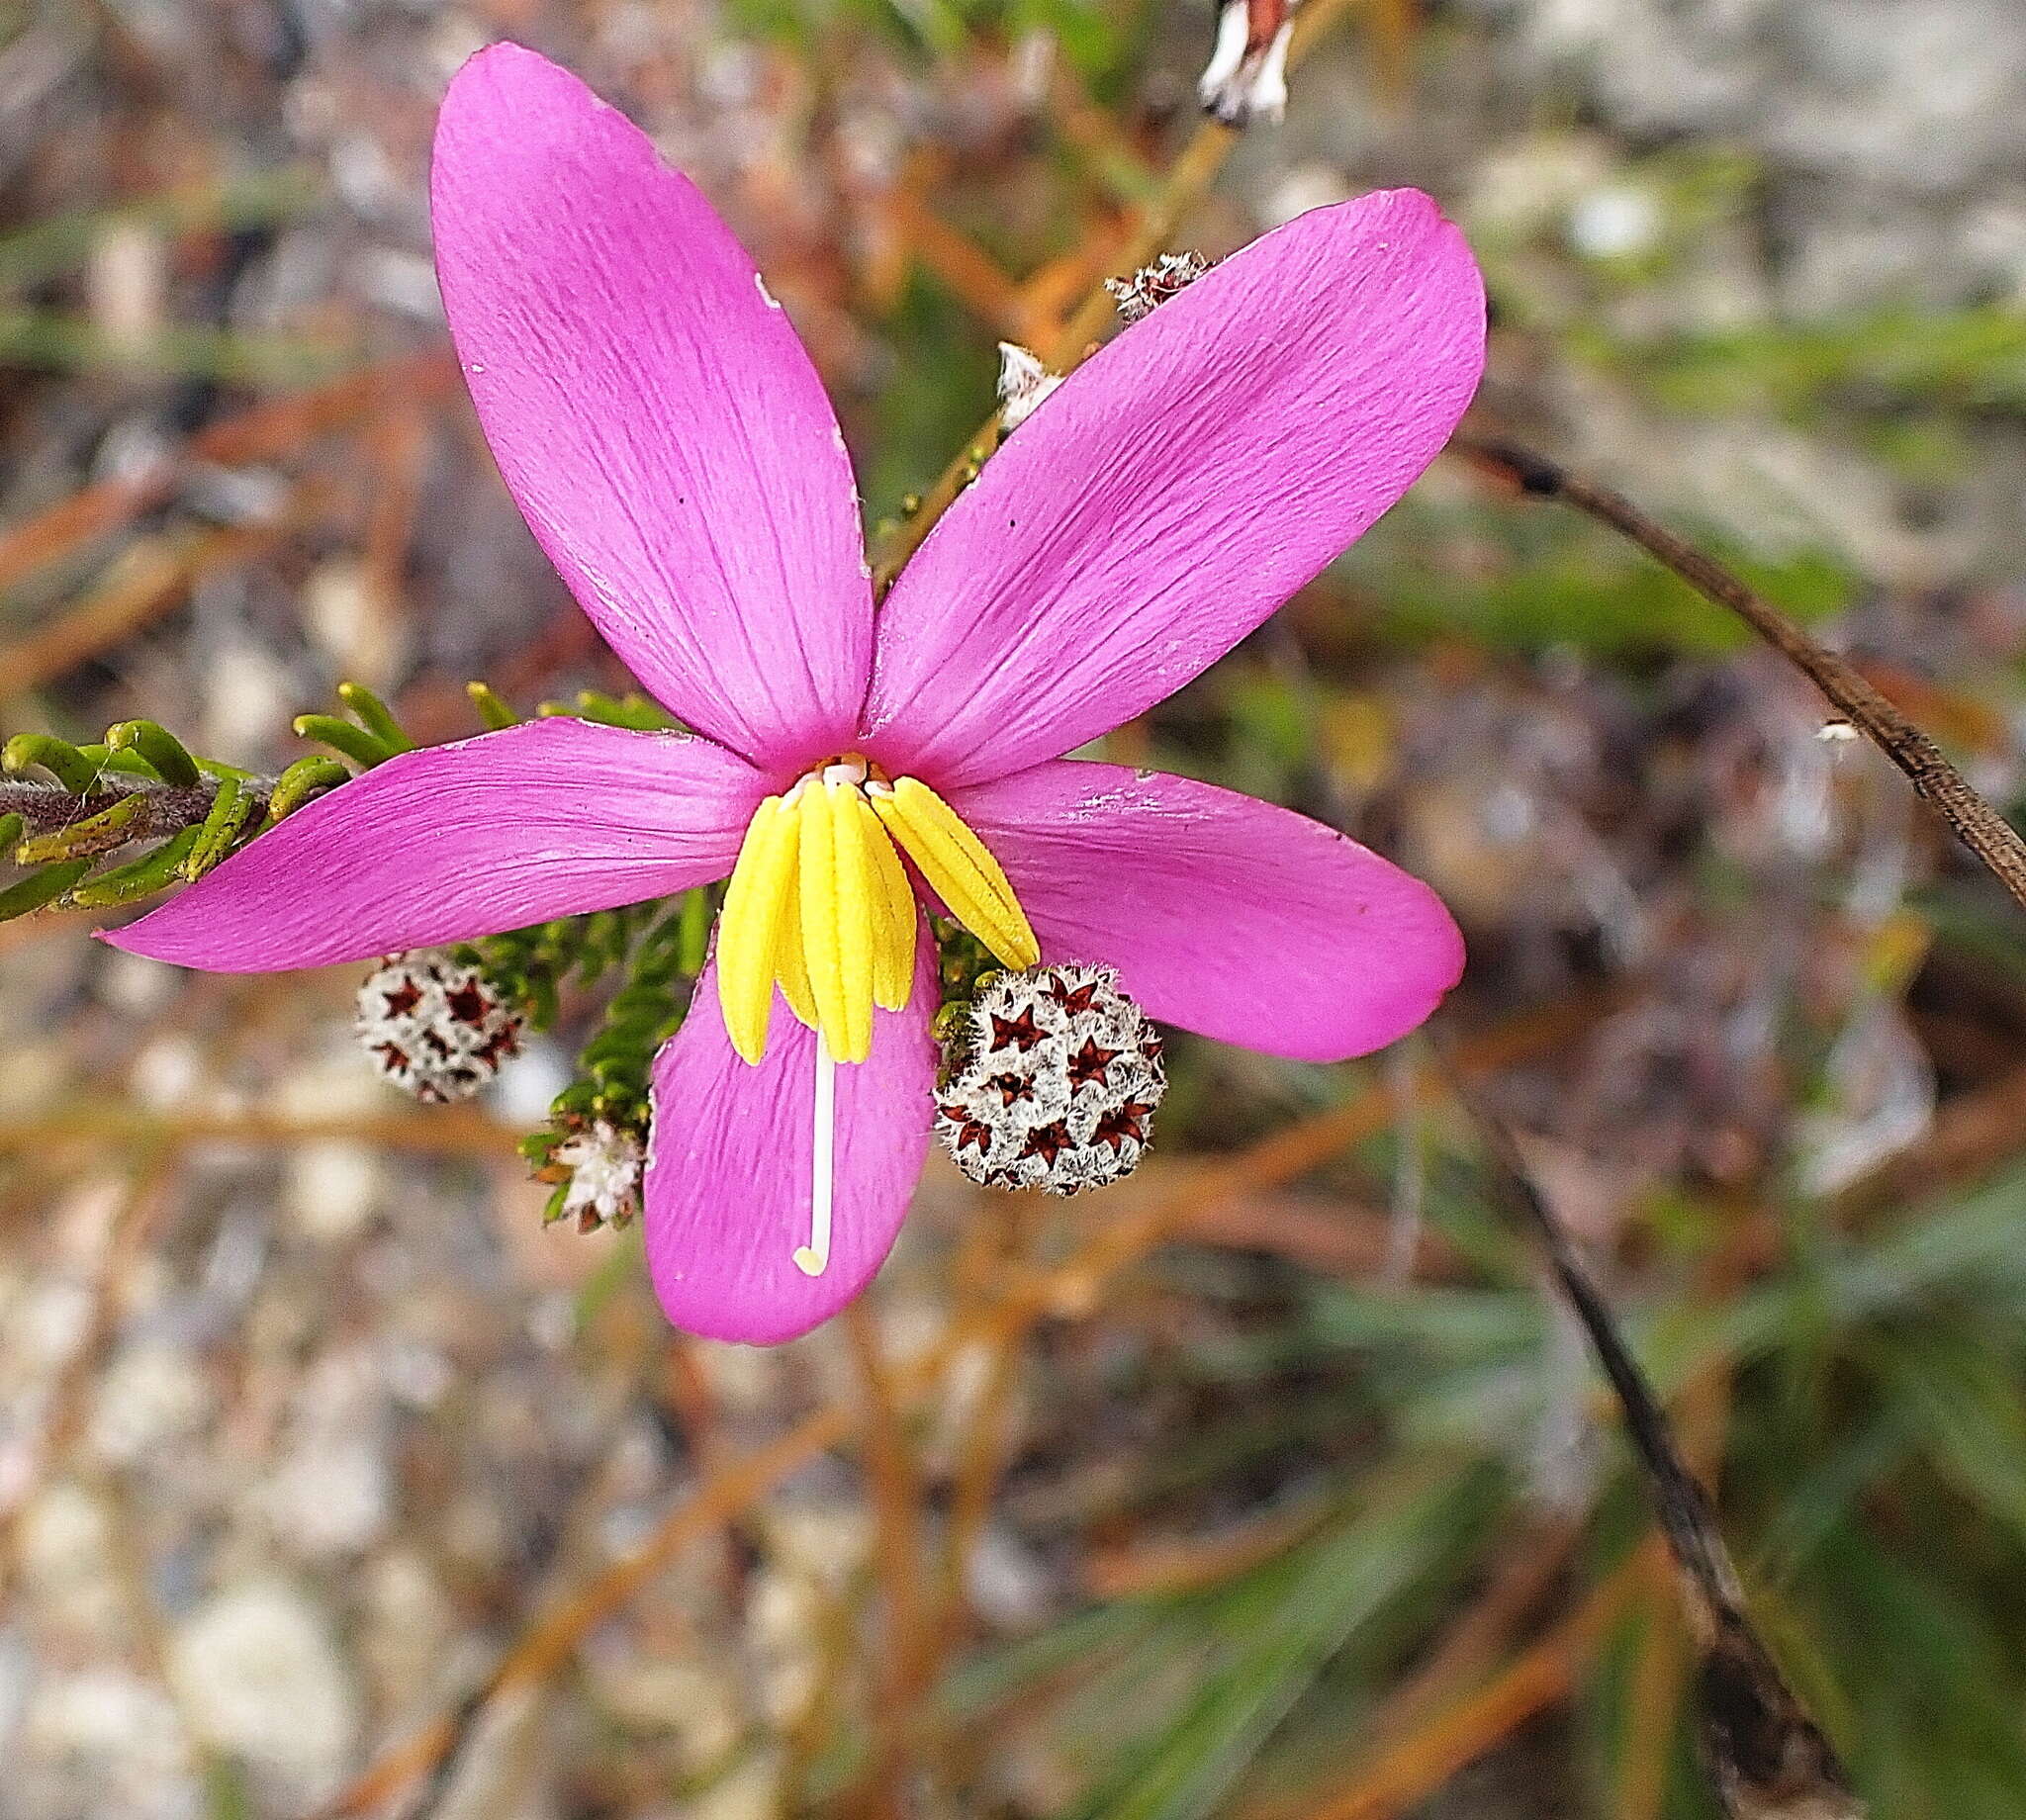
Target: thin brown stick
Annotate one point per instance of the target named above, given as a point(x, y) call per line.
point(1660, 1669)
point(1472, 1646)
point(548, 1643)
point(454, 1131)
point(263, 433)
point(141, 1207)
point(1768, 1758)
point(1979, 826)
point(1187, 179)
point(149, 579)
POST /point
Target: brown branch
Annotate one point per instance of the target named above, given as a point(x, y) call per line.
point(1767, 1756)
point(1979, 826)
point(1187, 179)
point(266, 433)
point(46, 807)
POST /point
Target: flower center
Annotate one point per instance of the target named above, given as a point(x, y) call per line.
point(821, 905)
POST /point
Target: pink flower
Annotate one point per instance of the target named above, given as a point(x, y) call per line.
point(670, 444)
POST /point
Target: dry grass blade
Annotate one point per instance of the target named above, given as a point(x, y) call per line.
point(897, 1510)
point(548, 1643)
point(1407, 1773)
point(149, 579)
point(263, 433)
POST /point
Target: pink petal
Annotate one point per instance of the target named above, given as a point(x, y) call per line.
point(545, 819)
point(728, 1171)
point(1226, 916)
point(1177, 488)
point(654, 415)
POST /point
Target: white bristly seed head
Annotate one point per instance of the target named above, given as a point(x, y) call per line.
point(1055, 1078)
point(604, 1165)
point(1151, 285)
point(434, 1028)
point(1023, 384)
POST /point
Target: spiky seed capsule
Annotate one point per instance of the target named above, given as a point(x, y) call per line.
point(434, 1028)
point(1055, 1074)
point(1151, 285)
point(604, 1165)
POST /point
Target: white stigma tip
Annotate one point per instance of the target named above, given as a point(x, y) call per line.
point(808, 1263)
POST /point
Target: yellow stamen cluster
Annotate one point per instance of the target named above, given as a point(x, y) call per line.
point(821, 905)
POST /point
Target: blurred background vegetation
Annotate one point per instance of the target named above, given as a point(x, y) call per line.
point(1270, 1484)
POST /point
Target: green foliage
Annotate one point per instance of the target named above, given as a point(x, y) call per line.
point(658, 951)
point(1883, 359)
point(1094, 38)
point(43, 249)
point(934, 400)
point(1257, 1648)
point(113, 826)
point(1534, 580)
point(1880, 1519)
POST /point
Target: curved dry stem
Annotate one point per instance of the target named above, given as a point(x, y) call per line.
point(1978, 825)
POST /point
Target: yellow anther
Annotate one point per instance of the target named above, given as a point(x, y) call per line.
point(961, 870)
point(791, 971)
point(816, 877)
point(835, 878)
point(893, 944)
point(821, 906)
point(755, 902)
point(859, 914)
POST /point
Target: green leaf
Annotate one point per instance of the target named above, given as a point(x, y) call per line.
point(364, 749)
point(1275, 1633)
point(375, 716)
point(62, 760)
point(97, 833)
point(40, 888)
point(161, 749)
point(305, 779)
point(151, 873)
point(491, 711)
point(231, 807)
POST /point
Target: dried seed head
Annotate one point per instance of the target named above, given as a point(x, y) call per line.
point(1023, 383)
point(1135, 297)
point(603, 1186)
point(1246, 76)
point(1054, 1082)
point(434, 1028)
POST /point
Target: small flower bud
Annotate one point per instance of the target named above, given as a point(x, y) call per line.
point(434, 1028)
point(1023, 383)
point(602, 1186)
point(1246, 76)
point(1135, 297)
point(1054, 1084)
